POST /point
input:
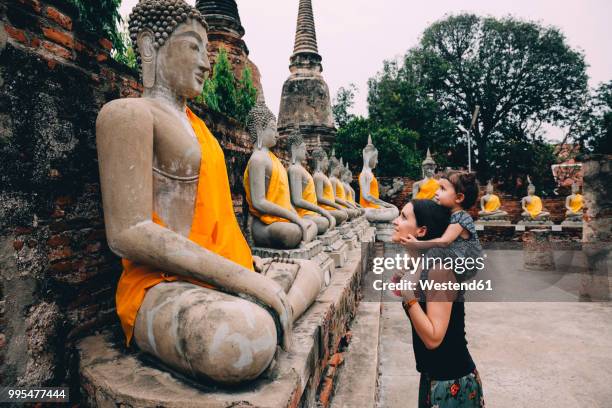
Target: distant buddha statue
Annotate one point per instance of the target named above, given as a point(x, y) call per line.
point(490, 206)
point(303, 194)
point(376, 210)
point(533, 209)
point(335, 168)
point(276, 224)
point(323, 186)
point(346, 178)
point(187, 269)
point(574, 204)
point(426, 188)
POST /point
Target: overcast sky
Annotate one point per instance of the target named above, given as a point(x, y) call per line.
point(355, 36)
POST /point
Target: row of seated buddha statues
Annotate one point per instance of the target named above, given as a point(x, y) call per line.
point(191, 293)
point(290, 211)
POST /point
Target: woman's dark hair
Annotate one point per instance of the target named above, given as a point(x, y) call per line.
point(431, 215)
point(466, 184)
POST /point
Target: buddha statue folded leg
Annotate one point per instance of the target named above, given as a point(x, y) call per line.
point(321, 222)
point(383, 214)
point(281, 235)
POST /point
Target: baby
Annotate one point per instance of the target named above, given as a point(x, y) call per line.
point(458, 191)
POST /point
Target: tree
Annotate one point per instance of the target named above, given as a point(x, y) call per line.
point(343, 102)
point(593, 126)
point(520, 73)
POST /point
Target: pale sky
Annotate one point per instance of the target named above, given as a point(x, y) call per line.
point(355, 36)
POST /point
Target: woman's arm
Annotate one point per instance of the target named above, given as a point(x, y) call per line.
point(450, 235)
point(431, 326)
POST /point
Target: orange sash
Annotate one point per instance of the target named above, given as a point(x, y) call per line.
point(373, 192)
point(214, 227)
point(328, 194)
point(278, 191)
point(427, 190)
point(534, 207)
point(308, 194)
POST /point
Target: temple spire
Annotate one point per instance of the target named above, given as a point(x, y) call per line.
point(305, 34)
point(221, 15)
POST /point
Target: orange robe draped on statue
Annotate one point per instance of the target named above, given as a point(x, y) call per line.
point(278, 191)
point(427, 190)
point(214, 227)
point(328, 194)
point(373, 192)
point(308, 194)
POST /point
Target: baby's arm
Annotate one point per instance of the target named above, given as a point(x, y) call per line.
point(450, 235)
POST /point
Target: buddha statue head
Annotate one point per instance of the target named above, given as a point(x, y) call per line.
point(530, 187)
point(489, 188)
point(575, 188)
point(261, 124)
point(334, 165)
point(320, 158)
point(170, 40)
point(370, 154)
point(428, 166)
point(346, 173)
point(297, 147)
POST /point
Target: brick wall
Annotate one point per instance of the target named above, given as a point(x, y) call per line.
point(58, 275)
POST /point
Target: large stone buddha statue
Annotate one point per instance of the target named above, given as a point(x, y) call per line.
point(533, 209)
point(376, 210)
point(189, 294)
point(303, 194)
point(426, 188)
point(335, 168)
point(324, 188)
point(346, 176)
point(574, 204)
point(490, 206)
point(276, 224)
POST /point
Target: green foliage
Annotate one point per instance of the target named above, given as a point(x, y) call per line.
point(223, 93)
point(521, 74)
point(101, 17)
point(343, 102)
point(593, 128)
point(127, 56)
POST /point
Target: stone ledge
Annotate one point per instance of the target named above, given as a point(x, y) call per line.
point(111, 378)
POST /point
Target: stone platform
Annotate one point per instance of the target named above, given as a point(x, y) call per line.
point(384, 231)
point(110, 377)
point(335, 247)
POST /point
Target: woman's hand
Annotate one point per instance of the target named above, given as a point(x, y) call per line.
point(408, 240)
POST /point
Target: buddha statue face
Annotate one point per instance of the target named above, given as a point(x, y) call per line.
point(334, 167)
point(267, 136)
point(530, 189)
point(300, 152)
point(373, 160)
point(489, 188)
point(429, 170)
point(574, 188)
point(261, 125)
point(171, 40)
point(324, 164)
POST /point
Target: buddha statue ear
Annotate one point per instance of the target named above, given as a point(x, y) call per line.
point(146, 46)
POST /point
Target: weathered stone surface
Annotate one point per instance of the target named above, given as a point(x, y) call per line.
point(111, 377)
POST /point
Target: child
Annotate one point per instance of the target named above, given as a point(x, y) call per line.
point(458, 191)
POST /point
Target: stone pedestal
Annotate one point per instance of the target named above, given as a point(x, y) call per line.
point(348, 235)
point(112, 377)
point(537, 249)
point(312, 251)
point(493, 220)
point(384, 231)
point(543, 221)
point(574, 220)
point(335, 247)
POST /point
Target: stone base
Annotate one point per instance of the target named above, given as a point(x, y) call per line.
point(572, 224)
point(334, 246)
point(348, 235)
point(384, 231)
point(529, 221)
point(312, 251)
point(111, 377)
point(494, 222)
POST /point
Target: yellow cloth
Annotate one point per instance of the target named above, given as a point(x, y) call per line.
point(340, 191)
point(328, 194)
point(349, 196)
point(278, 191)
point(308, 194)
point(427, 190)
point(214, 227)
point(534, 208)
point(493, 204)
point(373, 192)
point(576, 203)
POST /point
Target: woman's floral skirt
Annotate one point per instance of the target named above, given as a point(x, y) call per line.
point(464, 392)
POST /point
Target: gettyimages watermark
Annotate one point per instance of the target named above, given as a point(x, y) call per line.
point(508, 274)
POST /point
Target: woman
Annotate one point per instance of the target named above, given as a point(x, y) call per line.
point(448, 374)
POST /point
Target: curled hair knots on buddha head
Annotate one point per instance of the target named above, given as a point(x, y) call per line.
point(295, 138)
point(162, 17)
point(333, 160)
point(259, 117)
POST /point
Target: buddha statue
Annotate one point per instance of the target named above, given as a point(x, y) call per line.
point(376, 210)
point(574, 204)
point(490, 206)
point(189, 293)
point(335, 168)
point(346, 176)
point(302, 186)
point(533, 210)
point(426, 188)
point(323, 187)
point(276, 224)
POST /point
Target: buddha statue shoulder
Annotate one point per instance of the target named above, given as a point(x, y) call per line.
point(302, 186)
point(376, 210)
point(533, 208)
point(426, 188)
point(346, 178)
point(276, 223)
point(340, 197)
point(574, 204)
point(323, 186)
point(490, 205)
point(168, 213)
